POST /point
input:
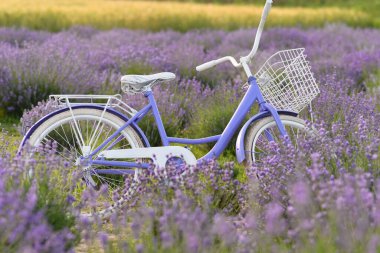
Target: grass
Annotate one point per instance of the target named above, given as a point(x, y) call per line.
point(181, 16)
point(10, 124)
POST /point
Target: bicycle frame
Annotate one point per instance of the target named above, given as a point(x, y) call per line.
point(252, 95)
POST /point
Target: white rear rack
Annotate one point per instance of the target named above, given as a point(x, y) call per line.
point(105, 101)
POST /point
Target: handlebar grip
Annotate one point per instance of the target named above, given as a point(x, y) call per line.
point(206, 65)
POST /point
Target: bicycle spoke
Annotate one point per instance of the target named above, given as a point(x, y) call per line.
point(105, 138)
point(87, 130)
point(46, 143)
point(66, 140)
point(96, 138)
point(76, 130)
point(108, 180)
point(76, 136)
point(95, 134)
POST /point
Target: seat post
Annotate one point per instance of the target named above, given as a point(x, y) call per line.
point(161, 129)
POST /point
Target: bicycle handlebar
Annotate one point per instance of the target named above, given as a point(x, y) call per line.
point(249, 57)
point(213, 63)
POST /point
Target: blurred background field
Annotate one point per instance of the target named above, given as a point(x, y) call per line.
point(182, 16)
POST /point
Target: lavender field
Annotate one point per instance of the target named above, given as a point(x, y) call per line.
point(321, 197)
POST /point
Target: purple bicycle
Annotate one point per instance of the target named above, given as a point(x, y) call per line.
point(99, 134)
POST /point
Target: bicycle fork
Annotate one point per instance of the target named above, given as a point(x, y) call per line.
point(264, 106)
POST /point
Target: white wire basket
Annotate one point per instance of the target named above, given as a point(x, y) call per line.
point(286, 80)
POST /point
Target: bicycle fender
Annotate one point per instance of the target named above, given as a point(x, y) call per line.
point(240, 151)
point(110, 110)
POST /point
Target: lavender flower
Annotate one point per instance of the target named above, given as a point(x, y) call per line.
point(324, 191)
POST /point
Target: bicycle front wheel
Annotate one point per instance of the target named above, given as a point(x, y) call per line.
point(266, 130)
point(76, 137)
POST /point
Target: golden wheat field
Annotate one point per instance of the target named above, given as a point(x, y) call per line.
point(107, 14)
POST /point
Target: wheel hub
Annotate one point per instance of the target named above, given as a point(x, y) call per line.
point(84, 164)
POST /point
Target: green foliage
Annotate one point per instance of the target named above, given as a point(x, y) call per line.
point(371, 79)
point(54, 200)
point(212, 117)
point(53, 182)
point(36, 20)
point(135, 68)
point(148, 125)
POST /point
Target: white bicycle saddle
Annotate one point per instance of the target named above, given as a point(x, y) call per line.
point(140, 83)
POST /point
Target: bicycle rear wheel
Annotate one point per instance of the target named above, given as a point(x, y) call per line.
point(77, 137)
